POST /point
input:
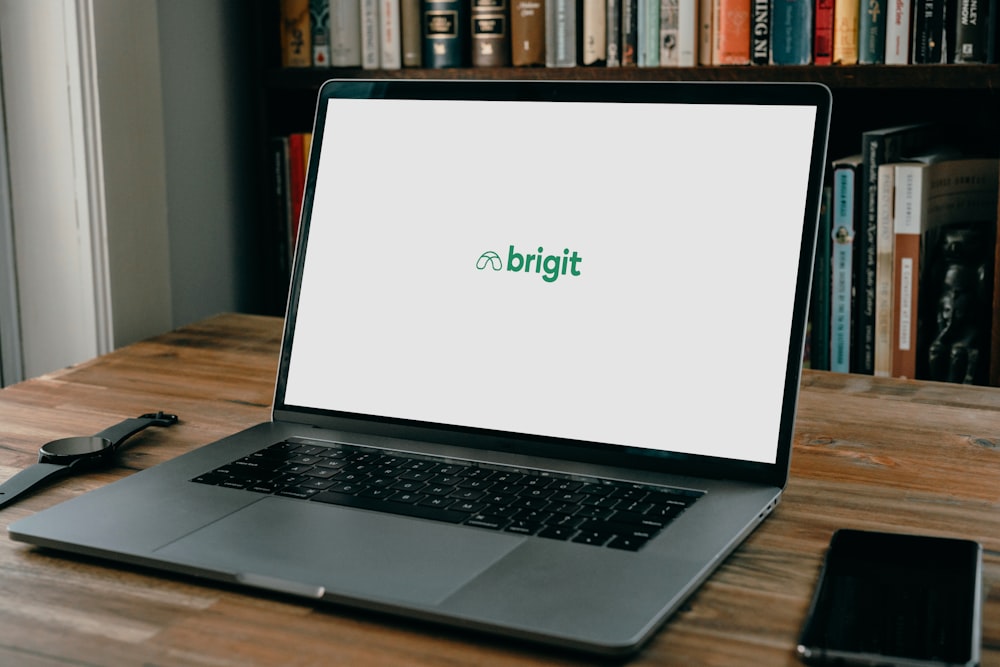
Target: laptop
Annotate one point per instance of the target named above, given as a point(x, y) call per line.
point(540, 362)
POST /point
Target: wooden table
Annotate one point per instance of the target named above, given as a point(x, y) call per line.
point(869, 453)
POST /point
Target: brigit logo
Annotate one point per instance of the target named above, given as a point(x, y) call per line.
point(550, 267)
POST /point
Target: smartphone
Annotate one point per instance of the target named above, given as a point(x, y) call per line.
point(895, 599)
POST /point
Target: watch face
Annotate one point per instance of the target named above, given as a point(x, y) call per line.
point(75, 447)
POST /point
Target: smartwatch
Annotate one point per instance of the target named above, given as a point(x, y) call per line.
point(71, 455)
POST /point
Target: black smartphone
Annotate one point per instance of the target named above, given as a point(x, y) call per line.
point(894, 599)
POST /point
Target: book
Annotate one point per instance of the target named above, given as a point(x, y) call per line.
point(490, 39)
point(792, 32)
point(760, 31)
point(845, 31)
point(319, 22)
point(560, 33)
point(409, 33)
point(345, 33)
point(871, 32)
point(845, 176)
point(389, 43)
point(974, 24)
point(897, 32)
point(613, 34)
point(370, 51)
point(955, 296)
point(687, 33)
point(928, 32)
point(819, 303)
point(527, 33)
point(706, 31)
point(648, 44)
point(298, 156)
point(878, 146)
point(731, 33)
point(296, 34)
point(669, 33)
point(823, 33)
point(283, 206)
point(885, 234)
point(594, 42)
point(630, 33)
point(445, 30)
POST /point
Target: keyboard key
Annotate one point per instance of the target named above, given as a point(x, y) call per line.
point(487, 521)
point(557, 533)
point(627, 543)
point(596, 538)
point(523, 527)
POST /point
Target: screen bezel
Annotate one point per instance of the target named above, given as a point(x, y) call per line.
point(813, 95)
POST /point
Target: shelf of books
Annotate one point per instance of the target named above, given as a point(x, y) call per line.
point(906, 282)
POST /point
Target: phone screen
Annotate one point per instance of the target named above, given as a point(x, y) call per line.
point(893, 599)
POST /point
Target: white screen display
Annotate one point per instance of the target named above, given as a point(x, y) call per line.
point(615, 273)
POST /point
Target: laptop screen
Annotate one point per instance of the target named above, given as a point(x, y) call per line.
point(612, 273)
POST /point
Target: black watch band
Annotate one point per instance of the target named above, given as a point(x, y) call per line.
point(66, 455)
point(28, 479)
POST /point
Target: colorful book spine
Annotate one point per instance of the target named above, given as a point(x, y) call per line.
point(842, 269)
point(823, 33)
point(389, 42)
point(928, 34)
point(630, 33)
point(319, 21)
point(885, 252)
point(490, 39)
point(296, 34)
point(845, 32)
point(649, 33)
point(669, 28)
point(910, 211)
point(871, 32)
point(731, 42)
point(792, 32)
point(527, 33)
point(974, 23)
point(445, 31)
point(706, 31)
point(614, 32)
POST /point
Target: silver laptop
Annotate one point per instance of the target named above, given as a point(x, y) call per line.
point(540, 362)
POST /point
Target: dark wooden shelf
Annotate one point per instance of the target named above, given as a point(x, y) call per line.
point(857, 77)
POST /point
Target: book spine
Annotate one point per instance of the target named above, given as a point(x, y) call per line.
point(649, 33)
point(490, 40)
point(390, 45)
point(841, 269)
point(283, 205)
point(871, 33)
point(369, 34)
point(928, 32)
point(884, 270)
point(594, 42)
point(630, 33)
point(823, 33)
point(820, 301)
point(970, 32)
point(614, 32)
point(687, 33)
point(791, 32)
point(319, 21)
point(297, 157)
point(909, 213)
point(445, 25)
point(527, 31)
point(345, 33)
point(560, 33)
point(669, 28)
point(731, 42)
point(897, 32)
point(761, 32)
point(296, 34)
point(409, 33)
point(845, 32)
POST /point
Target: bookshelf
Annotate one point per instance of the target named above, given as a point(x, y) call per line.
point(965, 96)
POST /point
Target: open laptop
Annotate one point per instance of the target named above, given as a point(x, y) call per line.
point(540, 362)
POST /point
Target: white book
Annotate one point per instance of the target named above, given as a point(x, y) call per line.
point(390, 44)
point(345, 33)
point(595, 21)
point(687, 33)
point(669, 26)
point(369, 34)
point(885, 241)
point(897, 32)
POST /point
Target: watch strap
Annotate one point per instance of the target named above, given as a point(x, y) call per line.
point(121, 431)
point(28, 479)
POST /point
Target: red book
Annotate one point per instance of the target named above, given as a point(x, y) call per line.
point(297, 156)
point(823, 36)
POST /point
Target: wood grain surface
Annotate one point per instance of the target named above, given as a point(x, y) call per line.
point(869, 453)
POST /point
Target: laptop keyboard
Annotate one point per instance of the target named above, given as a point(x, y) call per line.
point(586, 510)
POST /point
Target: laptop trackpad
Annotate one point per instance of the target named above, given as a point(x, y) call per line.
point(347, 552)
